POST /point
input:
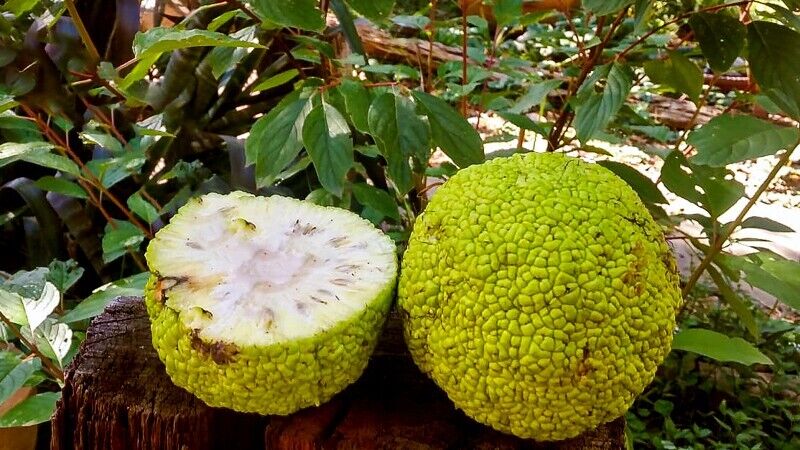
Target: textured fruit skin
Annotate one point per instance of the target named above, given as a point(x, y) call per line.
point(277, 379)
point(539, 294)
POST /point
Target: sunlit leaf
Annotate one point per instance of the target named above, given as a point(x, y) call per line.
point(62, 186)
point(326, 137)
point(373, 9)
point(142, 208)
point(94, 304)
point(31, 411)
point(719, 347)
point(594, 113)
point(451, 132)
point(302, 14)
point(728, 139)
point(678, 73)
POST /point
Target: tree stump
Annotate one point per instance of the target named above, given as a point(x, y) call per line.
point(118, 397)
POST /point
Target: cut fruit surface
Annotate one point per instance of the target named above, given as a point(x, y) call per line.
point(267, 304)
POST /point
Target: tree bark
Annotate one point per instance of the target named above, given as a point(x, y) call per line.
point(118, 397)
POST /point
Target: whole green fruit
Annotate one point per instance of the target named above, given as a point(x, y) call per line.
point(539, 294)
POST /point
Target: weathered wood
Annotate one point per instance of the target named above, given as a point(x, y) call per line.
point(117, 396)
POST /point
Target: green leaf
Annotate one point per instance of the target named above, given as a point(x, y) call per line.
point(765, 223)
point(678, 73)
point(275, 140)
point(29, 311)
point(721, 37)
point(373, 9)
point(276, 80)
point(356, 101)
point(524, 122)
point(19, 7)
point(61, 185)
point(36, 153)
point(326, 136)
point(94, 304)
point(111, 171)
point(31, 411)
point(593, 114)
point(302, 14)
point(377, 199)
point(774, 54)
point(117, 240)
point(400, 135)
point(728, 139)
point(223, 59)
point(64, 274)
point(507, 12)
point(7, 102)
point(534, 96)
point(17, 377)
point(54, 340)
point(451, 132)
point(769, 272)
point(702, 185)
point(103, 140)
point(647, 190)
point(605, 7)
point(143, 208)
point(735, 302)
point(718, 346)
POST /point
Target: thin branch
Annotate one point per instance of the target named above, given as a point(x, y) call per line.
point(464, 60)
point(431, 32)
point(82, 31)
point(718, 243)
point(51, 368)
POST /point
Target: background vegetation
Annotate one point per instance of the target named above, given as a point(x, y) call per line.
point(105, 131)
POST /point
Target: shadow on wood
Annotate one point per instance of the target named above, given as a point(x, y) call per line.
point(118, 397)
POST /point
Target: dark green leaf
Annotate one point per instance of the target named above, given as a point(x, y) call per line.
point(373, 9)
point(593, 114)
point(377, 199)
point(451, 132)
point(643, 12)
point(275, 140)
point(604, 7)
point(765, 223)
point(19, 7)
point(64, 274)
point(729, 139)
point(534, 96)
point(36, 153)
point(774, 54)
point(678, 73)
point(276, 80)
point(524, 122)
point(31, 411)
point(718, 346)
point(735, 302)
point(647, 190)
point(104, 140)
point(721, 37)
point(507, 12)
point(356, 100)
point(777, 276)
point(62, 186)
point(326, 136)
point(302, 14)
point(95, 303)
point(117, 239)
point(142, 208)
point(158, 40)
point(17, 377)
point(702, 185)
point(400, 134)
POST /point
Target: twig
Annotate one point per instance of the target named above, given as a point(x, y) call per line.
point(464, 60)
point(431, 32)
point(717, 244)
point(84, 34)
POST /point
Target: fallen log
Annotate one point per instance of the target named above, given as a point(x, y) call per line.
point(117, 396)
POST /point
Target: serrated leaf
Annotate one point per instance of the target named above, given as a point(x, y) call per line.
point(31, 411)
point(735, 302)
point(275, 140)
point(326, 137)
point(356, 101)
point(276, 80)
point(728, 139)
point(373, 9)
point(605, 7)
point(534, 96)
point(117, 239)
point(593, 114)
point(765, 223)
point(451, 132)
point(62, 186)
point(677, 72)
point(719, 347)
point(721, 37)
point(377, 199)
point(142, 208)
point(17, 377)
point(647, 190)
point(302, 14)
point(400, 134)
point(94, 304)
point(774, 55)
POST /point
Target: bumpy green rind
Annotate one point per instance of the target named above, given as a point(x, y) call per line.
point(539, 294)
point(278, 379)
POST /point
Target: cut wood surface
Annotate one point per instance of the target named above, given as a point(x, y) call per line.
point(118, 397)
